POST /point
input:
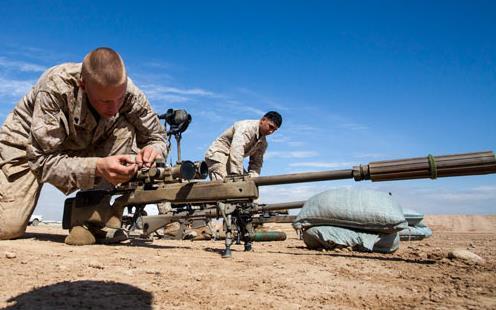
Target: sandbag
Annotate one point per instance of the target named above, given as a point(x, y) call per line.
point(387, 243)
point(330, 237)
point(417, 232)
point(413, 217)
point(356, 208)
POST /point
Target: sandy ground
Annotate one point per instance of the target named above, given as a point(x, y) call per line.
point(47, 274)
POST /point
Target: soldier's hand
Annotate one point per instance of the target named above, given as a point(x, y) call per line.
point(146, 157)
point(116, 169)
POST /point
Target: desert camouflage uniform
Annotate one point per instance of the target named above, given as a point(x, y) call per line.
point(53, 136)
point(225, 155)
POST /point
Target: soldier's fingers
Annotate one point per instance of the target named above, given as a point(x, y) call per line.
point(135, 169)
point(148, 155)
point(128, 170)
point(125, 159)
point(139, 158)
point(154, 155)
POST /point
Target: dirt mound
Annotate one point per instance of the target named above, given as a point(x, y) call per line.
point(40, 271)
point(462, 223)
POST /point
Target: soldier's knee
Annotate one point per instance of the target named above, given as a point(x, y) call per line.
point(12, 230)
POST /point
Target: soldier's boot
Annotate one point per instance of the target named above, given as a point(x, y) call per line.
point(99, 223)
point(107, 235)
point(189, 234)
point(111, 232)
point(91, 234)
point(80, 235)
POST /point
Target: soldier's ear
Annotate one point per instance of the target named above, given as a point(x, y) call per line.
point(82, 84)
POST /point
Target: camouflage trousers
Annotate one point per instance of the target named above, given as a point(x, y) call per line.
point(20, 188)
point(217, 170)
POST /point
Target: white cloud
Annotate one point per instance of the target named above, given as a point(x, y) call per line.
point(20, 65)
point(293, 154)
point(36, 54)
point(169, 98)
point(157, 65)
point(284, 139)
point(289, 193)
point(217, 101)
point(183, 95)
point(211, 116)
point(263, 100)
point(370, 155)
point(465, 196)
point(301, 128)
point(244, 107)
point(437, 199)
point(279, 138)
point(14, 88)
point(191, 91)
point(353, 126)
point(174, 94)
point(318, 164)
point(296, 143)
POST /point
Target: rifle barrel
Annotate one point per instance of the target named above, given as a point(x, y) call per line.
point(403, 169)
point(304, 177)
point(282, 206)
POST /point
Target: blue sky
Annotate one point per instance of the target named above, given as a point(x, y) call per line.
point(354, 81)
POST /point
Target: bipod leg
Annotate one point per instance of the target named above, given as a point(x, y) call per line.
point(238, 235)
point(138, 210)
point(229, 241)
point(248, 246)
point(248, 233)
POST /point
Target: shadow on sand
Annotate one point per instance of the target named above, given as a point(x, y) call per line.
point(355, 255)
point(45, 237)
point(132, 241)
point(83, 295)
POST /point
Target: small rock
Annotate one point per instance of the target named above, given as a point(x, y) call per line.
point(10, 255)
point(95, 265)
point(466, 256)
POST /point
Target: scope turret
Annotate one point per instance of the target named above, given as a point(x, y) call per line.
point(185, 170)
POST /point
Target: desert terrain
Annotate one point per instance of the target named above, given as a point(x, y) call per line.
point(39, 271)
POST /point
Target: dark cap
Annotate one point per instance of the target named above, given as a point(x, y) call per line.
point(275, 117)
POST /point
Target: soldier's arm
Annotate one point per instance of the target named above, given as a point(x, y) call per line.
point(150, 134)
point(256, 162)
point(67, 170)
point(52, 164)
point(237, 151)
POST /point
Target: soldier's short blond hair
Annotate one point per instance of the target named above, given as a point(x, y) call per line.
point(104, 66)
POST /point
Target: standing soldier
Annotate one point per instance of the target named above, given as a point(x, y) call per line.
point(245, 138)
point(75, 129)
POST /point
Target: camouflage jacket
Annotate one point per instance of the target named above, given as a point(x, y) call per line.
point(52, 130)
point(241, 140)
